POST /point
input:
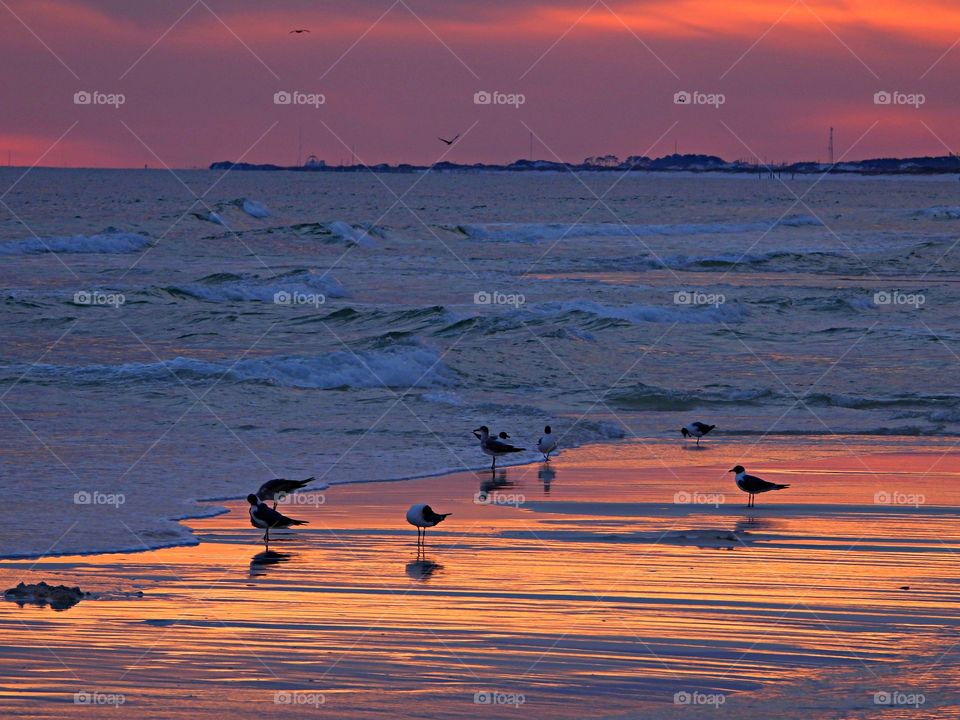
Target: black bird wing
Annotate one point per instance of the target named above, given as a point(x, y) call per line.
point(703, 427)
point(433, 517)
point(274, 519)
point(497, 446)
point(270, 488)
point(753, 484)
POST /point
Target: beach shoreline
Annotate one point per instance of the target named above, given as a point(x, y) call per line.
point(586, 586)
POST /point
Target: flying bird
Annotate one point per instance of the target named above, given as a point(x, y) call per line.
point(753, 485)
point(422, 516)
point(492, 446)
point(274, 489)
point(451, 141)
point(298, 31)
point(547, 444)
point(696, 429)
point(268, 519)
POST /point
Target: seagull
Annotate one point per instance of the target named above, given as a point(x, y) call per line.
point(266, 518)
point(492, 446)
point(451, 141)
point(422, 516)
point(274, 489)
point(547, 444)
point(753, 485)
point(504, 436)
point(696, 429)
point(298, 31)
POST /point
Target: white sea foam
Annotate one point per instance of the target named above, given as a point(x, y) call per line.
point(108, 242)
point(353, 234)
point(400, 367)
point(537, 232)
point(726, 313)
point(227, 287)
point(254, 208)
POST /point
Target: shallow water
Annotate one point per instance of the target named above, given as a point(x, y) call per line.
point(620, 307)
point(586, 589)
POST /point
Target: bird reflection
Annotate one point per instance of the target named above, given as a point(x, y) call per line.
point(260, 562)
point(422, 569)
point(754, 523)
point(546, 475)
point(495, 483)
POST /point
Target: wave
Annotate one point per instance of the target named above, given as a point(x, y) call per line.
point(724, 313)
point(649, 397)
point(537, 232)
point(253, 208)
point(110, 241)
point(397, 367)
point(730, 259)
point(336, 232)
point(657, 399)
point(228, 287)
point(940, 212)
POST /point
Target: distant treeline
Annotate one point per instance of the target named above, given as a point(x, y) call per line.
point(668, 163)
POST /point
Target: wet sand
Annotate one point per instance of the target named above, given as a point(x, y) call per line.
point(619, 581)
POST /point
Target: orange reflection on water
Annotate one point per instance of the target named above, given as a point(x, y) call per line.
point(603, 586)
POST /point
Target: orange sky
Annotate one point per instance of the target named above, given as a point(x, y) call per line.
point(198, 79)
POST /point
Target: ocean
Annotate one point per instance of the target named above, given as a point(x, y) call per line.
point(175, 337)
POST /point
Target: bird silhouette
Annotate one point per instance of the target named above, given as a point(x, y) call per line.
point(298, 31)
point(451, 141)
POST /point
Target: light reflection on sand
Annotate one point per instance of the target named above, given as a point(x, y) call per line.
point(597, 597)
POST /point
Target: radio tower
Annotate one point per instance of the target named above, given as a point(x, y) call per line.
point(830, 147)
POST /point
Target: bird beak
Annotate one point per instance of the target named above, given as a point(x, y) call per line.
point(732, 470)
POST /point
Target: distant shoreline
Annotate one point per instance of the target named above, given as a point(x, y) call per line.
point(941, 165)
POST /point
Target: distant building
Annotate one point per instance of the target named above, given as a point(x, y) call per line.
point(314, 162)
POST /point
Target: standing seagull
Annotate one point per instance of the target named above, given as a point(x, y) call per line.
point(451, 141)
point(753, 485)
point(547, 444)
point(492, 446)
point(422, 516)
point(696, 429)
point(266, 518)
point(272, 489)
